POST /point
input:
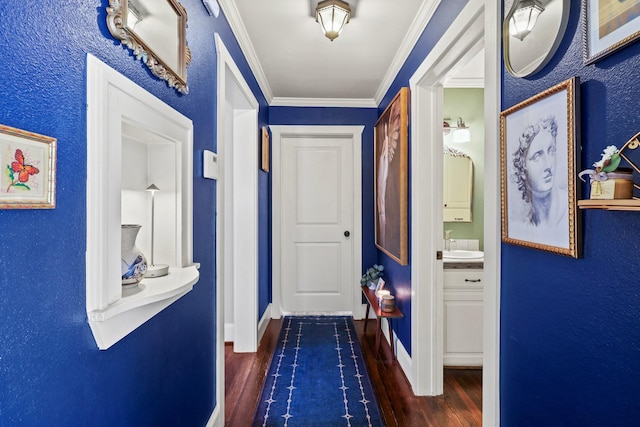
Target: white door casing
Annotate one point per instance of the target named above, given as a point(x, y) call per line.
point(427, 216)
point(476, 26)
point(237, 206)
point(316, 198)
point(236, 212)
point(317, 211)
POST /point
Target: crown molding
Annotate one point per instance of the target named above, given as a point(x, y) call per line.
point(418, 25)
point(464, 83)
point(323, 102)
point(237, 27)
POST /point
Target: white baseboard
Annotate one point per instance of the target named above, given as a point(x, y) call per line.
point(317, 313)
point(404, 359)
point(463, 359)
point(372, 315)
point(214, 419)
point(229, 332)
point(264, 322)
point(402, 355)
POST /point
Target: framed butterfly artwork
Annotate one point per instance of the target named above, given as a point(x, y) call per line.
point(28, 169)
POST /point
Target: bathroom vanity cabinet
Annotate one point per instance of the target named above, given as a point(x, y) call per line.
point(463, 312)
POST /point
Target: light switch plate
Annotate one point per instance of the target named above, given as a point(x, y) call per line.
point(209, 164)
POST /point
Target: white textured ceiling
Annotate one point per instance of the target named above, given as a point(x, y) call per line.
point(295, 64)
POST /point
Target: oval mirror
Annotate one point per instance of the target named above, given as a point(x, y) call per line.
point(527, 50)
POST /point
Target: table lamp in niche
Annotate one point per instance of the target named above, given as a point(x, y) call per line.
point(133, 264)
point(155, 270)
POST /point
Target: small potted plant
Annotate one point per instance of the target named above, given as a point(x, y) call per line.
point(370, 277)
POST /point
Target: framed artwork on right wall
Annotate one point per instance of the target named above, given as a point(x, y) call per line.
point(607, 26)
point(539, 164)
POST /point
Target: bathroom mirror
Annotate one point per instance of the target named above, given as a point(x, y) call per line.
point(528, 52)
point(155, 30)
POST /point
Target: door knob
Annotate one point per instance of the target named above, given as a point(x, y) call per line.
point(347, 234)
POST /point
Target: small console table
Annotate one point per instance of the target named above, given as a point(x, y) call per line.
point(372, 301)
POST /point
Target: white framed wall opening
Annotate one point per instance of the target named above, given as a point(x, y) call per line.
point(236, 217)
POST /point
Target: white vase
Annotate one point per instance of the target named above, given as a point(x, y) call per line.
point(133, 262)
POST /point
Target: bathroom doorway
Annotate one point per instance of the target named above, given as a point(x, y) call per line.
point(463, 214)
point(461, 42)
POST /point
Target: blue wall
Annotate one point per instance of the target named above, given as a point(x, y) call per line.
point(399, 277)
point(51, 372)
point(570, 340)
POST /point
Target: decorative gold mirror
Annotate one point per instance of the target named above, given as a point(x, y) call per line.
point(155, 30)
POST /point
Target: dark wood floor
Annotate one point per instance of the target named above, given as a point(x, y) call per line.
point(460, 405)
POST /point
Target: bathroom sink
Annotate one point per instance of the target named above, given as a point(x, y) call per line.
point(462, 254)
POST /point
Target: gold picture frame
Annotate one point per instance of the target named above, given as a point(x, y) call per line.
point(539, 164)
point(607, 26)
point(28, 162)
point(391, 135)
point(264, 162)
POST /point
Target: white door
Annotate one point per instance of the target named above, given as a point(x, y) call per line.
point(317, 211)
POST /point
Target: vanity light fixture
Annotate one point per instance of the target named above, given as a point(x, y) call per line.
point(462, 133)
point(524, 18)
point(332, 16)
point(458, 134)
point(447, 132)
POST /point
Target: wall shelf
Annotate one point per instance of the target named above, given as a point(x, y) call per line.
point(140, 304)
point(178, 281)
point(611, 205)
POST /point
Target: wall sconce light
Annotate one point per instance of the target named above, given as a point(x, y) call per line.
point(524, 18)
point(447, 132)
point(332, 16)
point(458, 134)
point(154, 270)
point(462, 133)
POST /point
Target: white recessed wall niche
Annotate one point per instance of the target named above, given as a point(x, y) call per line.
point(134, 140)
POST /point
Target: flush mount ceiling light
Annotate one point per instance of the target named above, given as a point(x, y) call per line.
point(524, 18)
point(332, 16)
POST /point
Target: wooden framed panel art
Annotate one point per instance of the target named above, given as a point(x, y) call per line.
point(28, 162)
point(538, 171)
point(391, 178)
point(608, 25)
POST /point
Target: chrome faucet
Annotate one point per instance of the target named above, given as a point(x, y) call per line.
point(447, 240)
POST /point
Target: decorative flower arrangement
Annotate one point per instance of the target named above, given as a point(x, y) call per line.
point(610, 160)
point(608, 163)
point(372, 274)
point(607, 181)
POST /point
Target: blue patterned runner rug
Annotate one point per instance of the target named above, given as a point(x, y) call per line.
point(317, 377)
